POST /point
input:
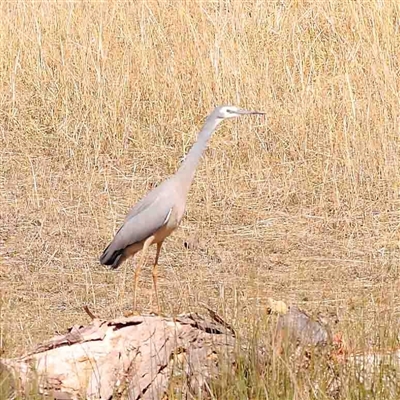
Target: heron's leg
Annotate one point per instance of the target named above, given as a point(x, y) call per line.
point(145, 249)
point(154, 272)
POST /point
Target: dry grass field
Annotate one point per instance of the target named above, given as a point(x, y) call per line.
point(99, 102)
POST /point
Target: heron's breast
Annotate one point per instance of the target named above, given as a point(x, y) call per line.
point(174, 218)
point(170, 225)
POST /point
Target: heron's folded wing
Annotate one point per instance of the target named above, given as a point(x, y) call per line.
point(137, 228)
point(141, 226)
point(147, 201)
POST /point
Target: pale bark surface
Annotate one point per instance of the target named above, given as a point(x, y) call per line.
point(132, 358)
point(145, 357)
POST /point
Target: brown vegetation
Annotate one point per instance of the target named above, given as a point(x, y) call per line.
point(100, 100)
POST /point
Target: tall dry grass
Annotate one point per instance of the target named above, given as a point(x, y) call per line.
point(100, 100)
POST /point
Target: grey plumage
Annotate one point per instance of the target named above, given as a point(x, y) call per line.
point(144, 219)
point(159, 213)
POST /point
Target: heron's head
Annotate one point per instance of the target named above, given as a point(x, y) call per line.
point(224, 112)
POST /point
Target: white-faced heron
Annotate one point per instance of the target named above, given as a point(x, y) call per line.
point(159, 213)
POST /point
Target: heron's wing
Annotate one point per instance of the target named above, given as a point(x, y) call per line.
point(138, 227)
point(143, 225)
point(146, 201)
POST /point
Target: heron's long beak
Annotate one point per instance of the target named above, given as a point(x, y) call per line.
point(247, 112)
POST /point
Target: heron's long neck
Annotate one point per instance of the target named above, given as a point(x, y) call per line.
point(188, 167)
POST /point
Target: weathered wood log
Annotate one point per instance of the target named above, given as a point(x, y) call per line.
point(138, 357)
point(145, 357)
point(132, 357)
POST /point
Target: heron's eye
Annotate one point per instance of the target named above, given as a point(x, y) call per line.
point(229, 111)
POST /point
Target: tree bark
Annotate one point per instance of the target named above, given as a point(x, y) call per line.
point(126, 358)
point(149, 356)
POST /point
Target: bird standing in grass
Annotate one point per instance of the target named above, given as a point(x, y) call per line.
point(160, 212)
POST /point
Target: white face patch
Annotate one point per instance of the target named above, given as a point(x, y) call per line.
point(228, 112)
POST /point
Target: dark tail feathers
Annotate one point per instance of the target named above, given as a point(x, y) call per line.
point(112, 258)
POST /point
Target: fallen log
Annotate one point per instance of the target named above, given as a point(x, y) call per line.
point(130, 357)
point(150, 356)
